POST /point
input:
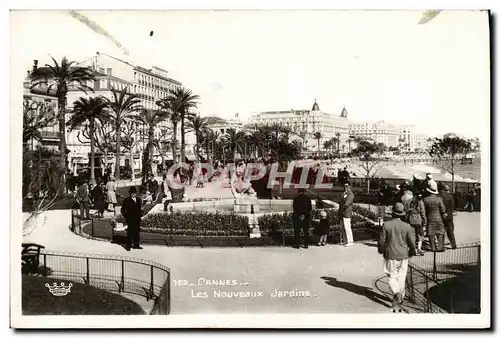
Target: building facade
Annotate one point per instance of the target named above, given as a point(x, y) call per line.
point(406, 138)
point(306, 123)
point(422, 142)
point(110, 74)
point(378, 131)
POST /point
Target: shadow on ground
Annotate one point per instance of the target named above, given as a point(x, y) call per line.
point(358, 290)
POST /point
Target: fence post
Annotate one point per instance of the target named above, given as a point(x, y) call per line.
point(88, 270)
point(122, 281)
point(434, 266)
point(168, 293)
point(152, 282)
point(44, 265)
point(427, 296)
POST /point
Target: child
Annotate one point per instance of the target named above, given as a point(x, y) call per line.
point(323, 228)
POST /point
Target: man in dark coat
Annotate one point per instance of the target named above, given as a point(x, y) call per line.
point(449, 206)
point(132, 211)
point(301, 218)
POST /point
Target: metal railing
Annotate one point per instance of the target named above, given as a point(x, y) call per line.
point(112, 273)
point(433, 270)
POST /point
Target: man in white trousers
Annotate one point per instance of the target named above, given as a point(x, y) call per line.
point(345, 210)
point(397, 244)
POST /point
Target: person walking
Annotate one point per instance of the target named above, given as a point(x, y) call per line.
point(345, 211)
point(83, 198)
point(301, 217)
point(435, 213)
point(407, 193)
point(111, 194)
point(396, 244)
point(132, 212)
point(449, 206)
point(415, 216)
point(98, 197)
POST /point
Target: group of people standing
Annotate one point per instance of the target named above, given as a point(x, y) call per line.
point(101, 196)
point(301, 218)
point(424, 209)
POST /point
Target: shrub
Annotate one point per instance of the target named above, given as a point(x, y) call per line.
point(196, 224)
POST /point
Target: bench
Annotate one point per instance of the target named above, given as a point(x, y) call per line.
point(30, 257)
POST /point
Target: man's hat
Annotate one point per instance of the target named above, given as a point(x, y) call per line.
point(398, 209)
point(132, 190)
point(432, 187)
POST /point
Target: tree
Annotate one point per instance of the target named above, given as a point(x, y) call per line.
point(151, 118)
point(62, 76)
point(328, 145)
point(36, 116)
point(447, 151)
point(337, 140)
point(105, 138)
point(42, 184)
point(369, 163)
point(128, 142)
point(88, 111)
point(318, 136)
point(181, 100)
point(199, 126)
point(234, 139)
point(121, 107)
point(174, 116)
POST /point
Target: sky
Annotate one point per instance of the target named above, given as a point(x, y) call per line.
point(380, 65)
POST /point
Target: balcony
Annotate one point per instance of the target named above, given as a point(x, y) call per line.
point(47, 134)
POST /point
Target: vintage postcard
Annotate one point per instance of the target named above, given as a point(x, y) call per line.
point(250, 169)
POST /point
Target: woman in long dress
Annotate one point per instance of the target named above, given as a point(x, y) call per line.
point(111, 193)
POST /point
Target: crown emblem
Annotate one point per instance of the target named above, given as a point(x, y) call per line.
point(59, 290)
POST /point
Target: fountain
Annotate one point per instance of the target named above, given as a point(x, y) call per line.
point(244, 202)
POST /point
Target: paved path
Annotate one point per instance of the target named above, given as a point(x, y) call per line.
point(338, 279)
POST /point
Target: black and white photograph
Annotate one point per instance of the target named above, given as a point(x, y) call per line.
point(331, 167)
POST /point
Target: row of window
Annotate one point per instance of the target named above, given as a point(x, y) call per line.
point(151, 81)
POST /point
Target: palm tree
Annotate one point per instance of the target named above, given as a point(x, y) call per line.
point(181, 100)
point(88, 111)
point(174, 116)
point(317, 135)
point(337, 134)
point(328, 145)
point(62, 76)
point(199, 126)
point(151, 118)
point(234, 139)
point(122, 107)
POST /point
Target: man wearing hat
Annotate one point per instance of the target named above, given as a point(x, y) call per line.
point(449, 206)
point(301, 217)
point(435, 213)
point(397, 244)
point(132, 211)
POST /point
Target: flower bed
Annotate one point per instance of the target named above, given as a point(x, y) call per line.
point(196, 224)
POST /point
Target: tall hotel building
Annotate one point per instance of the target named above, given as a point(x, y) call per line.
point(307, 122)
point(110, 73)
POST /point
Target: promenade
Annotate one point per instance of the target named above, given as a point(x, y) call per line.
point(332, 279)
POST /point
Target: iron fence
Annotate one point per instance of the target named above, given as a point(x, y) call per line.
point(428, 280)
point(112, 273)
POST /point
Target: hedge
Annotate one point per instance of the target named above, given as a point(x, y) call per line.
point(196, 224)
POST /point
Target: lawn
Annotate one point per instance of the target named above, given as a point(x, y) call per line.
point(82, 300)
